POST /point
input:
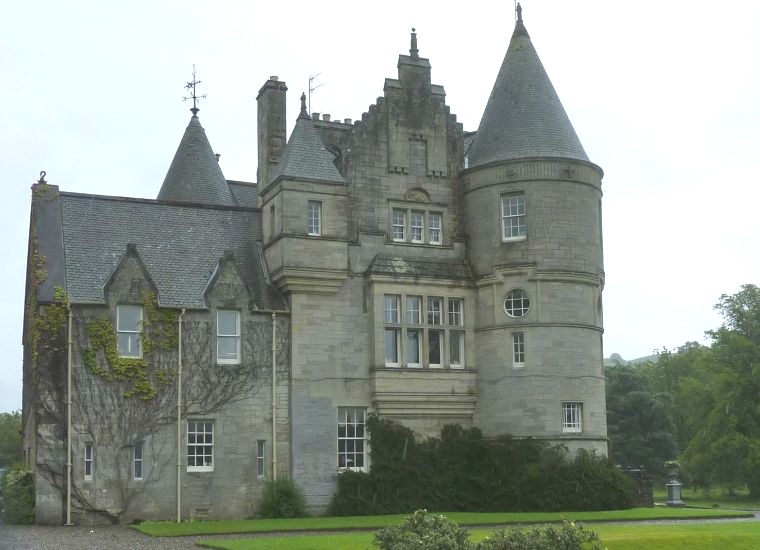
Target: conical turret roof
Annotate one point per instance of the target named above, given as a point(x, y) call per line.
point(524, 117)
point(305, 156)
point(194, 175)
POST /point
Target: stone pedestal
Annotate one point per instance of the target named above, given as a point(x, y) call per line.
point(674, 494)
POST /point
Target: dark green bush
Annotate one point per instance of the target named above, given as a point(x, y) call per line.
point(423, 531)
point(17, 486)
point(567, 537)
point(282, 499)
point(463, 471)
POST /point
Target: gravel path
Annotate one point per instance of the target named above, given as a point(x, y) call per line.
point(37, 537)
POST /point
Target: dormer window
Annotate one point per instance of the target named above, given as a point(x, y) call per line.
point(128, 325)
point(227, 337)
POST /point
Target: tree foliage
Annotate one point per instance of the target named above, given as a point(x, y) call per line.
point(11, 444)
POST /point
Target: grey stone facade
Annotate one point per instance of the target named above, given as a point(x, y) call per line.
point(412, 270)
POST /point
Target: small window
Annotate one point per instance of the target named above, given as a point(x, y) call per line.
point(128, 325)
point(434, 231)
point(200, 446)
point(271, 222)
point(513, 221)
point(392, 347)
point(314, 224)
point(391, 302)
point(137, 460)
point(456, 312)
point(572, 414)
point(398, 229)
point(351, 442)
point(518, 349)
point(260, 464)
point(227, 336)
point(435, 311)
point(418, 226)
point(89, 461)
point(517, 303)
point(413, 307)
point(456, 349)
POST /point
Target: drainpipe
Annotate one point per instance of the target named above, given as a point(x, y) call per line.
point(274, 396)
point(179, 415)
point(68, 418)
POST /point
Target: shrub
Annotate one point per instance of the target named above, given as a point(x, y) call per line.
point(282, 498)
point(567, 537)
point(18, 495)
point(423, 531)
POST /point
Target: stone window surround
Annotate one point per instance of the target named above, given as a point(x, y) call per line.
point(402, 319)
point(200, 428)
point(514, 226)
point(352, 440)
point(572, 417)
point(405, 217)
point(516, 303)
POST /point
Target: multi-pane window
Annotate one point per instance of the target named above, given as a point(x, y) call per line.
point(429, 333)
point(200, 445)
point(398, 229)
point(137, 460)
point(228, 336)
point(392, 316)
point(418, 226)
point(518, 349)
point(517, 303)
point(314, 223)
point(260, 449)
point(351, 442)
point(456, 335)
point(434, 228)
point(128, 325)
point(513, 222)
point(572, 417)
point(410, 225)
point(89, 461)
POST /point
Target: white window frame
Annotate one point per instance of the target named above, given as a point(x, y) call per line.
point(417, 226)
point(224, 336)
point(408, 347)
point(456, 334)
point(352, 439)
point(518, 349)
point(398, 225)
point(261, 458)
point(89, 460)
point(514, 225)
point(517, 303)
point(133, 334)
point(314, 219)
point(572, 417)
point(138, 461)
point(435, 228)
point(194, 430)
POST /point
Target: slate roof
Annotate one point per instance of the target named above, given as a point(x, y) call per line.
point(414, 267)
point(194, 175)
point(246, 194)
point(179, 245)
point(524, 117)
point(306, 157)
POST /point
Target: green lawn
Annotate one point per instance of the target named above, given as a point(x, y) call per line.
point(713, 499)
point(173, 529)
point(713, 536)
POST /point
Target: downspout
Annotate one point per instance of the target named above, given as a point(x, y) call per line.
point(68, 418)
point(274, 396)
point(179, 415)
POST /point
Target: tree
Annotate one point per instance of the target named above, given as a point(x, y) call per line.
point(726, 448)
point(639, 423)
point(11, 444)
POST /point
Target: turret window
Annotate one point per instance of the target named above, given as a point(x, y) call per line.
point(572, 417)
point(314, 224)
point(517, 303)
point(513, 222)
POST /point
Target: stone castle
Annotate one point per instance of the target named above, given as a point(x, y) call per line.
point(178, 352)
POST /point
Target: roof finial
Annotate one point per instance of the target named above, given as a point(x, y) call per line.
point(42, 177)
point(304, 113)
point(518, 9)
point(194, 97)
point(413, 51)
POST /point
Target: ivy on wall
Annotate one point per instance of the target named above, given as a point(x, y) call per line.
point(143, 375)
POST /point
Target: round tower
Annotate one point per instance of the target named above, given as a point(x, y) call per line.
point(533, 218)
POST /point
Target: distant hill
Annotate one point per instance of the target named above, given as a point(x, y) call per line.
point(615, 359)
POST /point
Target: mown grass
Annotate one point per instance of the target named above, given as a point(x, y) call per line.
point(707, 536)
point(173, 529)
point(715, 498)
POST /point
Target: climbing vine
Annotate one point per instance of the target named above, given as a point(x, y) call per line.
point(144, 375)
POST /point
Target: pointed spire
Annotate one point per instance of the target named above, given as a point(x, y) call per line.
point(413, 51)
point(304, 113)
point(524, 117)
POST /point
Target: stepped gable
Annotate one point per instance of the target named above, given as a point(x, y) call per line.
point(305, 157)
point(524, 117)
point(194, 175)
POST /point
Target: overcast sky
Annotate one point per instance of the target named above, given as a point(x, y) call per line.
point(665, 97)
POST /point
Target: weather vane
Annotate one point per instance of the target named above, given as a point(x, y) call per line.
point(191, 86)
